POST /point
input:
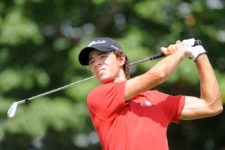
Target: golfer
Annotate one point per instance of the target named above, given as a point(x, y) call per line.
point(127, 113)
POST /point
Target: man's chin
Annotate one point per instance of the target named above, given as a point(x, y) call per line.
point(105, 80)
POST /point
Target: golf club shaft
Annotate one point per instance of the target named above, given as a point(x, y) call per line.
point(86, 79)
point(159, 55)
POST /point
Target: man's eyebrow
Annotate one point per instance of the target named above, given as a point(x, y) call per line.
point(98, 54)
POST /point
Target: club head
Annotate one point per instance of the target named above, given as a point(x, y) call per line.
point(12, 110)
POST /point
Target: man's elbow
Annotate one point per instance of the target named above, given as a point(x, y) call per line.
point(220, 105)
point(161, 77)
point(220, 109)
point(158, 77)
point(217, 110)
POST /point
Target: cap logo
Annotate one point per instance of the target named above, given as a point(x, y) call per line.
point(97, 42)
point(114, 47)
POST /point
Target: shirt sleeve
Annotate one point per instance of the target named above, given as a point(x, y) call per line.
point(107, 100)
point(171, 105)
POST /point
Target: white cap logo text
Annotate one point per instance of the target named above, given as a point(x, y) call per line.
point(96, 42)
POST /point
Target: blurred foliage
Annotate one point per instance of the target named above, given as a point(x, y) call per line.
point(39, 44)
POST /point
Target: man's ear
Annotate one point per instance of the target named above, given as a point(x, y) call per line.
point(122, 59)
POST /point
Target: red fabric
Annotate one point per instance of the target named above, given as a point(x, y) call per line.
point(139, 124)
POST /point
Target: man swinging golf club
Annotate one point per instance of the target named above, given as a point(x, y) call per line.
point(126, 112)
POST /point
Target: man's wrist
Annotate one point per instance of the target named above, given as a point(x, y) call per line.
point(200, 57)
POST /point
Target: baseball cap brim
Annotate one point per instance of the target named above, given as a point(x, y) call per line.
point(84, 54)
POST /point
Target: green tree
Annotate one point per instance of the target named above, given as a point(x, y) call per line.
point(39, 44)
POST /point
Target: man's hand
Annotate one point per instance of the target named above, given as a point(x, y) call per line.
point(187, 46)
point(173, 48)
point(192, 50)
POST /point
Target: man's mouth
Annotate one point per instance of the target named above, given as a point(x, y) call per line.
point(99, 71)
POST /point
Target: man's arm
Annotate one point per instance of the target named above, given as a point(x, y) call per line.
point(158, 73)
point(209, 103)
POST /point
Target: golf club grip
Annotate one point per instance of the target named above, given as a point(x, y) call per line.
point(159, 55)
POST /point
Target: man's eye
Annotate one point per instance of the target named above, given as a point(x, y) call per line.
point(103, 56)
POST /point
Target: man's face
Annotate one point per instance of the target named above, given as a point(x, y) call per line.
point(105, 66)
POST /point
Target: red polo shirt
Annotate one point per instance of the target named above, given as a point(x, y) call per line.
point(140, 124)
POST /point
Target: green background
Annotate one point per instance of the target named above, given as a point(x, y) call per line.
point(39, 44)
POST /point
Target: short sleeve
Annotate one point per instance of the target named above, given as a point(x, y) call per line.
point(171, 105)
point(107, 100)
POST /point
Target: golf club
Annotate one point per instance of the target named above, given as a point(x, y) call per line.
point(12, 110)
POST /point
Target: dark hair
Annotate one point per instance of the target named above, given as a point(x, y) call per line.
point(126, 66)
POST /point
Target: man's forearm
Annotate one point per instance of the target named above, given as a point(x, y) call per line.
point(155, 76)
point(209, 86)
point(168, 65)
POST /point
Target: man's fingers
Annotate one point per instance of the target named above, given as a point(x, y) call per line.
point(167, 51)
point(173, 48)
point(178, 41)
point(164, 51)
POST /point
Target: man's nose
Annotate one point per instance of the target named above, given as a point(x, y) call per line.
point(97, 63)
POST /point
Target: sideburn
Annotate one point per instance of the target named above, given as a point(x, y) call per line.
point(126, 66)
